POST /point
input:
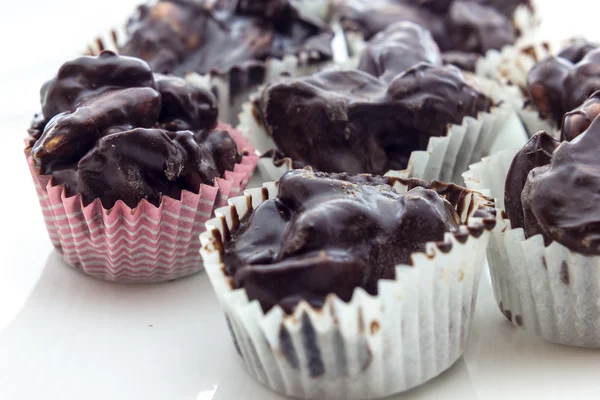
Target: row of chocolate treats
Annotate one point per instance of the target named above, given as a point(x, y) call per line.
point(334, 285)
point(302, 266)
point(233, 46)
point(544, 253)
point(279, 37)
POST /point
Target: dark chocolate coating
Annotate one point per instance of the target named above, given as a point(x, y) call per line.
point(506, 7)
point(557, 86)
point(583, 80)
point(263, 8)
point(478, 28)
point(372, 16)
point(140, 164)
point(537, 152)
point(179, 36)
point(68, 136)
point(129, 143)
point(576, 49)
point(460, 59)
point(328, 234)
point(465, 25)
point(399, 47)
point(186, 106)
point(563, 198)
point(223, 148)
point(89, 77)
point(349, 121)
point(545, 83)
point(578, 121)
point(437, 6)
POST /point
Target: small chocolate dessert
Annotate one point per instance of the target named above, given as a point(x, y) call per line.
point(111, 129)
point(557, 85)
point(350, 121)
point(332, 233)
point(558, 190)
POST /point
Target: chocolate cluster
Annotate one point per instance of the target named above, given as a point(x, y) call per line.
point(552, 189)
point(472, 26)
point(111, 129)
point(558, 84)
point(351, 121)
point(332, 233)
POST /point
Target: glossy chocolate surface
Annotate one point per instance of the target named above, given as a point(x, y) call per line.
point(477, 28)
point(556, 85)
point(576, 49)
point(181, 36)
point(326, 234)
point(579, 120)
point(458, 25)
point(350, 121)
point(116, 141)
point(463, 60)
point(536, 153)
point(399, 47)
point(562, 200)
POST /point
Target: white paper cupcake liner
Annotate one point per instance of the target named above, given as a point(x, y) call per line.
point(550, 291)
point(374, 346)
point(220, 82)
point(445, 158)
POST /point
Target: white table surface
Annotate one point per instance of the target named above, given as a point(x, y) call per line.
point(69, 337)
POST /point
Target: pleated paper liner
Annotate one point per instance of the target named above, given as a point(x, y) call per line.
point(550, 291)
point(374, 346)
point(233, 86)
point(445, 158)
point(143, 244)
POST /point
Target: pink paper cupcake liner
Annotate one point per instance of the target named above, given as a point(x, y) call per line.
point(143, 244)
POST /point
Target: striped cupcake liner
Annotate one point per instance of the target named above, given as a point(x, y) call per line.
point(445, 159)
point(416, 327)
point(549, 291)
point(144, 244)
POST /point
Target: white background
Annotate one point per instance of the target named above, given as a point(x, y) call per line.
point(69, 337)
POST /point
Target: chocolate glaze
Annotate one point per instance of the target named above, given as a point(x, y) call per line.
point(398, 48)
point(583, 80)
point(118, 141)
point(556, 85)
point(478, 28)
point(185, 106)
point(577, 121)
point(458, 25)
point(350, 121)
point(576, 49)
point(372, 16)
point(506, 7)
point(545, 83)
point(181, 36)
point(460, 59)
point(85, 78)
point(139, 164)
point(561, 200)
point(329, 234)
point(537, 152)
